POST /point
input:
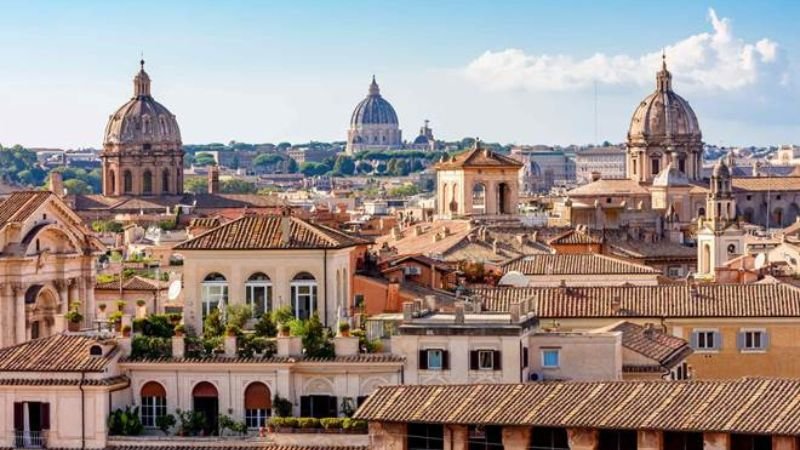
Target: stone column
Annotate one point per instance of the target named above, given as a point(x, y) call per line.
point(784, 443)
point(20, 327)
point(516, 438)
point(7, 304)
point(582, 438)
point(716, 441)
point(650, 440)
point(459, 437)
point(89, 306)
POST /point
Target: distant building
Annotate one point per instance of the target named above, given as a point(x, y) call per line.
point(599, 162)
point(374, 124)
point(425, 140)
point(544, 168)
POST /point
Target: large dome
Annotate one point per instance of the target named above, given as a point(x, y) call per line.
point(373, 110)
point(142, 120)
point(664, 115)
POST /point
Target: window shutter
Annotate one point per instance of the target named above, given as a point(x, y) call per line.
point(44, 411)
point(333, 410)
point(525, 357)
point(423, 360)
point(497, 362)
point(19, 416)
point(739, 340)
point(764, 340)
point(445, 360)
point(305, 406)
point(717, 340)
point(473, 360)
point(693, 340)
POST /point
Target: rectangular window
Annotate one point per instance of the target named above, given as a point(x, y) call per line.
point(423, 436)
point(674, 272)
point(706, 340)
point(304, 300)
point(256, 418)
point(213, 294)
point(752, 340)
point(435, 360)
point(152, 408)
point(318, 406)
point(259, 297)
point(485, 360)
point(550, 358)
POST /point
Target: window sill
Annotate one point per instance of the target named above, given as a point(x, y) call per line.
point(705, 351)
point(755, 351)
point(550, 367)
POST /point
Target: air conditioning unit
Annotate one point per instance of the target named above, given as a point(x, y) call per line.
point(535, 376)
point(412, 270)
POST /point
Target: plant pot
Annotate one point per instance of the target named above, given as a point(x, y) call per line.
point(73, 326)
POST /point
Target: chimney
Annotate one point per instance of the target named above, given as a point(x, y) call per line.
point(595, 175)
point(213, 180)
point(648, 330)
point(417, 230)
point(522, 239)
point(57, 183)
point(446, 231)
point(459, 309)
point(408, 311)
point(514, 311)
point(286, 230)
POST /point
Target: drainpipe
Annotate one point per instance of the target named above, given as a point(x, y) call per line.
point(325, 280)
point(83, 410)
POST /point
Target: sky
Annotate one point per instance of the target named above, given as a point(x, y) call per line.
point(517, 72)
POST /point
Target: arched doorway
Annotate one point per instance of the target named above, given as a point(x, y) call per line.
point(41, 317)
point(503, 199)
point(154, 403)
point(257, 405)
point(205, 400)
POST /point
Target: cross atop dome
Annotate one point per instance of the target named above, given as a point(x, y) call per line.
point(373, 87)
point(141, 83)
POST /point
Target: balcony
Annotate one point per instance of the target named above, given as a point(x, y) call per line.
point(29, 439)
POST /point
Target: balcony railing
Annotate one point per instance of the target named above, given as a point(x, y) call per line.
point(29, 439)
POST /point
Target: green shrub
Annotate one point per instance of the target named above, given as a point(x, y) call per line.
point(308, 423)
point(165, 422)
point(125, 422)
point(265, 326)
point(276, 421)
point(150, 347)
point(281, 407)
point(331, 423)
point(354, 424)
point(290, 422)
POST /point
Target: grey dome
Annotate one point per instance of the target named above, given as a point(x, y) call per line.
point(421, 140)
point(373, 110)
point(664, 114)
point(142, 120)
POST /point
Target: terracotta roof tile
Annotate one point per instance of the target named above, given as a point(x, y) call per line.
point(62, 381)
point(19, 205)
point(135, 283)
point(705, 300)
point(359, 358)
point(56, 353)
point(205, 222)
point(265, 232)
point(479, 157)
point(652, 343)
point(575, 264)
point(708, 405)
point(574, 237)
point(752, 184)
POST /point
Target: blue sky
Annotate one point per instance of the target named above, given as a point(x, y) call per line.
point(515, 72)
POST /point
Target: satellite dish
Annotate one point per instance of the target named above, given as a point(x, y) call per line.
point(174, 290)
point(514, 278)
point(761, 261)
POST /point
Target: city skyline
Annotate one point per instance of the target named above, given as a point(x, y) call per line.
point(513, 73)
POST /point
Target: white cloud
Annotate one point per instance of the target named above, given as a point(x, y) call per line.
point(711, 60)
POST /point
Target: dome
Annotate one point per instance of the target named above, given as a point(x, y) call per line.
point(142, 120)
point(373, 110)
point(421, 140)
point(664, 115)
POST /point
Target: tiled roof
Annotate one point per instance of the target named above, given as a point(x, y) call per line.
point(205, 222)
point(424, 242)
point(609, 187)
point(56, 353)
point(660, 250)
point(19, 205)
point(158, 203)
point(62, 381)
point(265, 232)
point(751, 405)
point(752, 184)
point(652, 343)
point(704, 300)
point(574, 237)
point(230, 445)
point(479, 157)
point(422, 259)
point(359, 358)
point(135, 283)
point(575, 264)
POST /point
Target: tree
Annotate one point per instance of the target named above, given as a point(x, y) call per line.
point(197, 185)
point(406, 190)
point(237, 186)
point(291, 166)
point(311, 169)
point(204, 159)
point(77, 187)
point(267, 159)
point(381, 168)
point(364, 167)
point(344, 165)
point(283, 146)
point(316, 341)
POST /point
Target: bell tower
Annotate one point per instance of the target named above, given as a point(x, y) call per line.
point(719, 238)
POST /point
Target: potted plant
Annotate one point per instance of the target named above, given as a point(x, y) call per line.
point(165, 422)
point(344, 329)
point(232, 330)
point(174, 318)
point(126, 331)
point(285, 330)
point(102, 307)
point(140, 303)
point(179, 330)
point(120, 305)
point(74, 318)
point(116, 319)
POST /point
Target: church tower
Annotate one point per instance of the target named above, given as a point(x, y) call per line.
point(719, 238)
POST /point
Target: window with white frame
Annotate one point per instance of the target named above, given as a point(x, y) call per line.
point(304, 295)
point(154, 403)
point(551, 358)
point(257, 405)
point(214, 291)
point(485, 360)
point(258, 293)
point(674, 271)
point(752, 340)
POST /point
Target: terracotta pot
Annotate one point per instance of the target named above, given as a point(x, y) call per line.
point(73, 326)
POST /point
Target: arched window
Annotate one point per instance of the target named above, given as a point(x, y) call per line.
point(205, 400)
point(112, 182)
point(444, 192)
point(214, 292)
point(154, 403)
point(479, 198)
point(304, 295)
point(257, 405)
point(258, 293)
point(127, 182)
point(165, 180)
point(453, 199)
point(656, 165)
point(147, 182)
